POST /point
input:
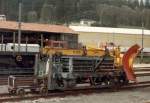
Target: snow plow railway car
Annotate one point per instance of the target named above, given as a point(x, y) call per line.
point(57, 70)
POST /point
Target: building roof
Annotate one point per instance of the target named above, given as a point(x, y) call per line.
point(35, 27)
point(109, 30)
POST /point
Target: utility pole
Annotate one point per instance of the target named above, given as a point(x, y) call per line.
point(142, 42)
point(19, 24)
point(113, 37)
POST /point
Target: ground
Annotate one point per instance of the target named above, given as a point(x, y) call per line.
point(127, 96)
point(138, 95)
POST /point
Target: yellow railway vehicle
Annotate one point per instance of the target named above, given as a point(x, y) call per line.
point(64, 69)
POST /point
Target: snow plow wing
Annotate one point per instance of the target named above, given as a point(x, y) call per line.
point(127, 61)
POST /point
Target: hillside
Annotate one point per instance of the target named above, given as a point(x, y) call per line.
point(112, 13)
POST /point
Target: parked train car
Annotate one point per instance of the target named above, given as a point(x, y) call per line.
point(13, 62)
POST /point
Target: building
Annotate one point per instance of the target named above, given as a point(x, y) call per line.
point(20, 59)
point(33, 33)
point(95, 36)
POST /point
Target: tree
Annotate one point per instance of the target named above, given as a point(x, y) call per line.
point(107, 15)
point(12, 9)
point(133, 3)
point(136, 3)
point(47, 11)
point(32, 16)
point(118, 3)
point(2, 4)
point(146, 18)
point(147, 4)
point(141, 4)
point(104, 12)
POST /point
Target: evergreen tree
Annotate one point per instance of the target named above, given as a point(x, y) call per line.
point(141, 4)
point(47, 12)
point(105, 12)
point(32, 16)
point(60, 17)
point(147, 4)
point(133, 4)
point(136, 3)
point(12, 13)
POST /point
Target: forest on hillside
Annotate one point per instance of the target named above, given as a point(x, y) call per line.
point(112, 13)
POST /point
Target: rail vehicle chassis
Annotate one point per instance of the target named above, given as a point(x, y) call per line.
point(67, 72)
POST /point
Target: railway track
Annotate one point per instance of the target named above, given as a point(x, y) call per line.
point(82, 90)
point(142, 71)
point(4, 79)
point(86, 91)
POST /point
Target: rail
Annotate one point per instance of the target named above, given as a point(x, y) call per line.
point(86, 91)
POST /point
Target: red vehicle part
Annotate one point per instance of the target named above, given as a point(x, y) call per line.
point(127, 61)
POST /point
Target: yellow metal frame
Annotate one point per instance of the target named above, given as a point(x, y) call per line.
point(115, 53)
point(74, 52)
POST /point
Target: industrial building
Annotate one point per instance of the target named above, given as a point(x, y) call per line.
point(95, 36)
point(34, 33)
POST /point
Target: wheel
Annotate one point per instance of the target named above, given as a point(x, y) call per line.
point(69, 83)
point(20, 92)
point(92, 81)
point(114, 82)
point(106, 82)
point(123, 79)
point(43, 91)
point(33, 90)
point(125, 82)
point(11, 91)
